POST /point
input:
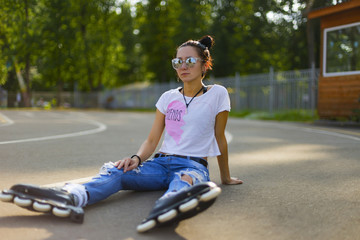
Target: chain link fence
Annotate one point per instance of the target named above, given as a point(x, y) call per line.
point(273, 91)
point(270, 92)
point(266, 92)
point(3, 98)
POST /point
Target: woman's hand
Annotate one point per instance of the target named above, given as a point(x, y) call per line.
point(232, 181)
point(148, 146)
point(127, 163)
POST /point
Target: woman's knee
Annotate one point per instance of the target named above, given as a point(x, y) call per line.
point(193, 177)
point(187, 178)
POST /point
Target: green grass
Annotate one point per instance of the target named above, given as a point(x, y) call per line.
point(290, 115)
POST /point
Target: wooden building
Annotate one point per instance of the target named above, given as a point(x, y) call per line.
point(339, 80)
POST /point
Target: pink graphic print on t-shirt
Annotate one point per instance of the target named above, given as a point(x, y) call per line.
point(174, 120)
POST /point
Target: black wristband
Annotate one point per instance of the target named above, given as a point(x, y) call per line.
point(138, 158)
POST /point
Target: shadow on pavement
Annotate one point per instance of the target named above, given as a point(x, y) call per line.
point(114, 218)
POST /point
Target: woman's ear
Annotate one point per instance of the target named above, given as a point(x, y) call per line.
point(203, 70)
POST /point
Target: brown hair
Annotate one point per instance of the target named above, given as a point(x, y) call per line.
point(203, 47)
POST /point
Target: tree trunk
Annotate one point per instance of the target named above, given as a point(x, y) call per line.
point(311, 42)
point(59, 101)
point(26, 94)
point(310, 34)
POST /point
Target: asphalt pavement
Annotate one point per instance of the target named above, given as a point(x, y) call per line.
point(301, 181)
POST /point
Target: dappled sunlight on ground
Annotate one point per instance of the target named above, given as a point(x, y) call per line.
point(9, 233)
point(259, 139)
point(297, 184)
point(282, 154)
point(42, 177)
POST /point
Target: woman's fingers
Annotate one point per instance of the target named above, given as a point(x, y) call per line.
point(121, 163)
point(127, 163)
point(116, 164)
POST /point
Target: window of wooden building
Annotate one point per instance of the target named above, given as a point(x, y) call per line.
point(339, 80)
point(341, 50)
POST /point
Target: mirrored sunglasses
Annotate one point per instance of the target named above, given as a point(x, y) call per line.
point(189, 62)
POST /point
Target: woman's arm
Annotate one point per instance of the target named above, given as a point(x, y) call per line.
point(223, 160)
point(148, 146)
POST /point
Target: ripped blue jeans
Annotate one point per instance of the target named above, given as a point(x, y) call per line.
point(156, 174)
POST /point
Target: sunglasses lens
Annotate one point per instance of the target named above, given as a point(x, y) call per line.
point(176, 63)
point(190, 62)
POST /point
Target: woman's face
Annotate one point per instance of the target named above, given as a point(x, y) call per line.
point(185, 73)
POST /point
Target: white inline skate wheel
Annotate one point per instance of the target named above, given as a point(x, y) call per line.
point(213, 193)
point(146, 226)
point(167, 216)
point(6, 197)
point(22, 202)
point(61, 212)
point(189, 205)
point(41, 207)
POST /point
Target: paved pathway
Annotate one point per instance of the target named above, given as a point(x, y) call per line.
point(301, 181)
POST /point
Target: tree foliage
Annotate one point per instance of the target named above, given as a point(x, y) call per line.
point(89, 45)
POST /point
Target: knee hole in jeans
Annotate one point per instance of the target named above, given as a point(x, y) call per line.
point(187, 178)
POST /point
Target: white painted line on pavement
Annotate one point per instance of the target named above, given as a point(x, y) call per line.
point(78, 181)
point(229, 137)
point(7, 121)
point(331, 133)
point(100, 127)
point(314, 130)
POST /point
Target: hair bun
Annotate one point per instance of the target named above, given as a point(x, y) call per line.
point(207, 41)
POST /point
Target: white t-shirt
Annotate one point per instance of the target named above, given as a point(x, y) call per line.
point(191, 131)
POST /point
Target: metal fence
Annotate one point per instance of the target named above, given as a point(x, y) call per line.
point(267, 92)
point(271, 91)
point(3, 98)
